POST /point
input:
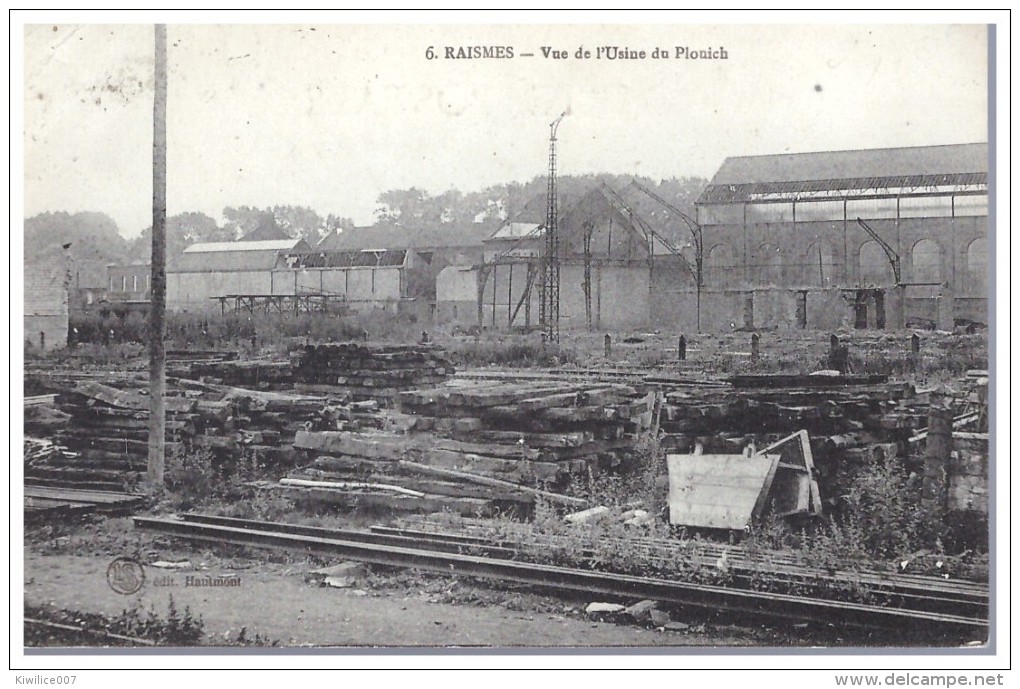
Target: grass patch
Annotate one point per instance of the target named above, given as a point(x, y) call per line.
point(517, 352)
point(175, 628)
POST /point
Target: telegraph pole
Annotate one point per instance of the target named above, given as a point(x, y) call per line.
point(550, 315)
point(157, 314)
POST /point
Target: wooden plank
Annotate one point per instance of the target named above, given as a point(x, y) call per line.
point(511, 452)
point(128, 400)
point(488, 465)
point(578, 415)
point(428, 503)
point(563, 399)
point(717, 494)
point(344, 443)
point(501, 395)
point(461, 489)
point(349, 485)
point(539, 440)
point(485, 480)
point(77, 495)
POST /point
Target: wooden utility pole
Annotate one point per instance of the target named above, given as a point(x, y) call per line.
point(157, 314)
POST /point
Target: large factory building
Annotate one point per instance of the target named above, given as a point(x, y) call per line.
point(869, 239)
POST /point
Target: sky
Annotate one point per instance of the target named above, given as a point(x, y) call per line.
point(329, 116)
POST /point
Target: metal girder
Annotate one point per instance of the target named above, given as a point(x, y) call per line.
point(890, 253)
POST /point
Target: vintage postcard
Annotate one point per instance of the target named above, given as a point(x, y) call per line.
point(608, 341)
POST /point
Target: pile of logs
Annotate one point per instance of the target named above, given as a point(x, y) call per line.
point(369, 371)
point(107, 429)
point(473, 449)
point(107, 436)
point(363, 371)
point(851, 426)
point(42, 418)
point(40, 451)
point(254, 374)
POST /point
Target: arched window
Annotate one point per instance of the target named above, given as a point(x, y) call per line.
point(818, 267)
point(926, 261)
point(767, 265)
point(874, 265)
point(719, 270)
point(977, 266)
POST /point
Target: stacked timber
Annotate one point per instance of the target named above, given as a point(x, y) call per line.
point(106, 435)
point(369, 371)
point(853, 422)
point(50, 503)
point(40, 451)
point(254, 374)
point(42, 418)
point(478, 448)
point(579, 428)
point(416, 472)
point(257, 424)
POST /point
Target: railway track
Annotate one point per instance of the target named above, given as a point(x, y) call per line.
point(918, 593)
point(444, 555)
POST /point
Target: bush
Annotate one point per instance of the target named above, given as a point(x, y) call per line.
point(264, 505)
point(103, 328)
point(196, 330)
point(175, 629)
point(513, 352)
point(884, 514)
point(880, 517)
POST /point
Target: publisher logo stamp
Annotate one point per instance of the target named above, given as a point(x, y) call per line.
point(125, 575)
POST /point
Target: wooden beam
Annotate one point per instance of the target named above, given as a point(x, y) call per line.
point(157, 322)
point(487, 481)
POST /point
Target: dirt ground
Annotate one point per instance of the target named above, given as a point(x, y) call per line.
point(277, 603)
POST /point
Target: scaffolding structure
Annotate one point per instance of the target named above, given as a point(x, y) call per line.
point(549, 310)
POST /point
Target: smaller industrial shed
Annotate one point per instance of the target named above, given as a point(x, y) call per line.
point(421, 252)
point(46, 304)
point(369, 277)
point(129, 283)
point(206, 271)
point(610, 267)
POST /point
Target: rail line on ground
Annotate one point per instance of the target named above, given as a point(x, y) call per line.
point(621, 586)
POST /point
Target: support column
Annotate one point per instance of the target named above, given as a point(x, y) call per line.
point(938, 448)
point(895, 308)
point(944, 309)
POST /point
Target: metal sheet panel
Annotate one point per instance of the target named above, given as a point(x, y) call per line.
point(717, 491)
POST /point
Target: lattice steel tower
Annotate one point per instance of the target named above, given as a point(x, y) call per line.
point(549, 313)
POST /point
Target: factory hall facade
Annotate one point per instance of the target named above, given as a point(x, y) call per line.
point(871, 238)
point(875, 239)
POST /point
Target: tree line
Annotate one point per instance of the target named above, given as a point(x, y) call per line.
point(96, 240)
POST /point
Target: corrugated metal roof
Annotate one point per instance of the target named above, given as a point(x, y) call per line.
point(920, 166)
point(226, 260)
point(516, 230)
point(440, 236)
point(342, 259)
point(263, 245)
